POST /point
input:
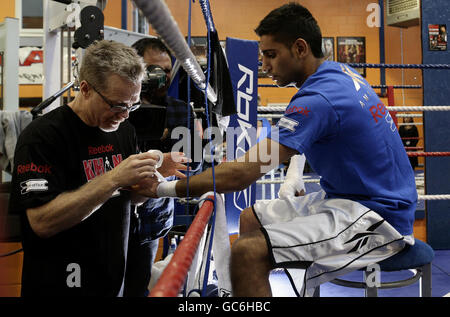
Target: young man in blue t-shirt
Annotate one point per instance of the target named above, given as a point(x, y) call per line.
point(364, 213)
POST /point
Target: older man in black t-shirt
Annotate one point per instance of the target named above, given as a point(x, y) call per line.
point(71, 171)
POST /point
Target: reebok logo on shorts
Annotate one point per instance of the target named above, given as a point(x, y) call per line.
point(363, 237)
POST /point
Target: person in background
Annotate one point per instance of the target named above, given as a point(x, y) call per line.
point(155, 121)
point(410, 137)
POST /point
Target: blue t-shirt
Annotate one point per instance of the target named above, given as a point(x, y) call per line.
point(351, 141)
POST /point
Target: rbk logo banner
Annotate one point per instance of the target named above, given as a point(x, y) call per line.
point(242, 58)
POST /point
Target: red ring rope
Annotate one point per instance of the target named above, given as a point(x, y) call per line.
point(412, 148)
point(174, 275)
point(428, 153)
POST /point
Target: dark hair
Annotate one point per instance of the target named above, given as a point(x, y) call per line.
point(290, 22)
point(150, 42)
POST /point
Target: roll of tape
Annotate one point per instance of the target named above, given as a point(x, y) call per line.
point(160, 157)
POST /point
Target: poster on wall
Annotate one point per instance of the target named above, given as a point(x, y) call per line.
point(31, 65)
point(352, 50)
point(328, 48)
point(437, 34)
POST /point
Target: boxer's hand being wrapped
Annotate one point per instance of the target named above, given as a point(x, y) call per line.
point(293, 184)
point(133, 169)
point(147, 187)
point(173, 163)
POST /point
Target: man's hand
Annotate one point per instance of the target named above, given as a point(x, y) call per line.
point(147, 187)
point(173, 163)
point(293, 184)
point(133, 169)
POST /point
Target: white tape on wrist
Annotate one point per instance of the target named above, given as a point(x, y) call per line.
point(296, 167)
point(293, 181)
point(166, 189)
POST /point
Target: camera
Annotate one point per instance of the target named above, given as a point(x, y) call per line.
point(154, 79)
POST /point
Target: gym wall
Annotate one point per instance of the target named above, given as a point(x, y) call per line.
point(238, 18)
point(436, 127)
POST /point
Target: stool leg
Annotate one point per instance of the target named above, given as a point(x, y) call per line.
point(425, 281)
point(369, 291)
point(317, 291)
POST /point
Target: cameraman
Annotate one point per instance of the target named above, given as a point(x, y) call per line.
point(154, 122)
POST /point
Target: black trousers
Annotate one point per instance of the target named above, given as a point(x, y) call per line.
point(139, 265)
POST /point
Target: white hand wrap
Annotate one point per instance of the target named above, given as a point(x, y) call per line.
point(166, 189)
point(160, 155)
point(293, 181)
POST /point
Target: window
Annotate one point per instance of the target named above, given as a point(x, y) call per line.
point(32, 12)
point(140, 24)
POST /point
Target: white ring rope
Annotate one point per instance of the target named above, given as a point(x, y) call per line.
point(281, 181)
point(401, 108)
point(305, 180)
point(409, 115)
point(420, 197)
point(317, 180)
point(271, 115)
point(420, 108)
point(434, 197)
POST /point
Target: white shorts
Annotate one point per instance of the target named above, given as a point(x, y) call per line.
point(325, 238)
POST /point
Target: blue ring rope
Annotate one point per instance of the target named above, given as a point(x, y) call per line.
point(374, 86)
point(188, 150)
point(189, 99)
point(392, 66)
point(210, 26)
point(418, 66)
point(204, 4)
point(206, 9)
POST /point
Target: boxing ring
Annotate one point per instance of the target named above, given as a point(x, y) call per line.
point(174, 276)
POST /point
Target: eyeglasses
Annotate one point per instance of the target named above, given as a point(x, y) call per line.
point(119, 107)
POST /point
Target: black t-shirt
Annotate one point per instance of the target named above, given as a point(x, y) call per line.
point(56, 153)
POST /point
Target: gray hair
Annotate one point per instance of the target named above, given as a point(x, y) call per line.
point(105, 58)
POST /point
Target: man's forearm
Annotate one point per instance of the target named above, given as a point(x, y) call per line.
point(72, 207)
point(137, 199)
point(229, 177)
